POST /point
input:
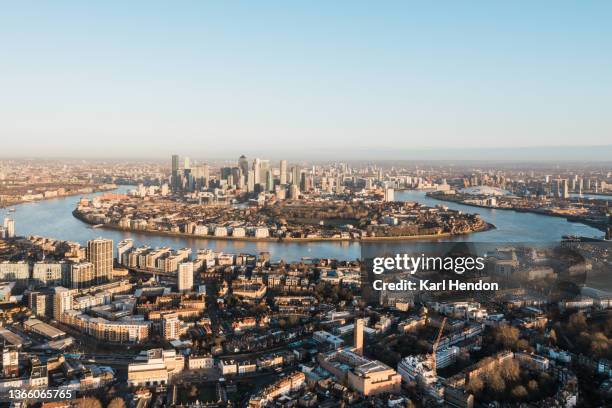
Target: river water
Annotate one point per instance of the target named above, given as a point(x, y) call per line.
point(53, 218)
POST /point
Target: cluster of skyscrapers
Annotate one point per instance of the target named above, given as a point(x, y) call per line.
point(258, 176)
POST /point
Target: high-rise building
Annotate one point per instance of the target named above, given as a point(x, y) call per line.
point(201, 176)
point(243, 164)
point(264, 168)
point(123, 247)
point(564, 189)
point(296, 175)
point(251, 181)
point(171, 326)
point(389, 194)
point(294, 192)
point(257, 170)
point(175, 178)
point(185, 276)
point(283, 172)
point(9, 227)
point(100, 254)
point(62, 301)
point(269, 180)
point(358, 336)
point(41, 303)
point(82, 275)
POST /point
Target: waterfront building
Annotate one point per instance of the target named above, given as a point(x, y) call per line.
point(389, 194)
point(123, 247)
point(9, 227)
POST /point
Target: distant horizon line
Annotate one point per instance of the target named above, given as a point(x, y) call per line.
point(575, 153)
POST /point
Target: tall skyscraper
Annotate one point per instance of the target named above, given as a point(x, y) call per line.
point(257, 170)
point(100, 254)
point(185, 276)
point(296, 175)
point(251, 181)
point(358, 336)
point(564, 189)
point(201, 176)
point(175, 179)
point(283, 172)
point(264, 168)
point(243, 164)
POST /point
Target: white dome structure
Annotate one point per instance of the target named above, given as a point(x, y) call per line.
point(484, 190)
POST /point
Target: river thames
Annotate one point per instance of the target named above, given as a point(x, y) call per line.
point(53, 218)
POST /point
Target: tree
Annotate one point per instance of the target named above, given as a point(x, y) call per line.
point(116, 402)
point(475, 385)
point(523, 344)
point(496, 382)
point(506, 336)
point(89, 402)
point(519, 392)
point(599, 344)
point(509, 370)
point(533, 386)
point(577, 323)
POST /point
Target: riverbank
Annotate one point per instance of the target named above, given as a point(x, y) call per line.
point(77, 215)
point(569, 218)
point(58, 197)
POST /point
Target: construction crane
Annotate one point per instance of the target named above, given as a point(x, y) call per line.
point(436, 344)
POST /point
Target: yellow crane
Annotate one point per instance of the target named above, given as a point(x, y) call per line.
point(435, 345)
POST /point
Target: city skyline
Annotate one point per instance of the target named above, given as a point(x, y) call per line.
point(107, 81)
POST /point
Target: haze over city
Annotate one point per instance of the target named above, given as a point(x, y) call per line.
point(404, 80)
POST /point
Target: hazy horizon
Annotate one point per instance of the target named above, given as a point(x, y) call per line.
point(548, 154)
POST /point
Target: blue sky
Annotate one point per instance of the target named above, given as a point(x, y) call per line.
point(216, 79)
